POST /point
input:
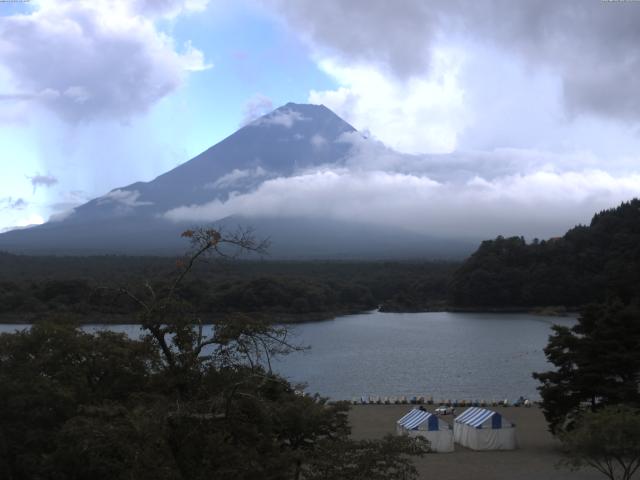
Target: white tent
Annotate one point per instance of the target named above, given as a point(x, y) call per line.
point(482, 429)
point(424, 424)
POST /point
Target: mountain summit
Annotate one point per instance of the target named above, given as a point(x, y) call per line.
point(291, 139)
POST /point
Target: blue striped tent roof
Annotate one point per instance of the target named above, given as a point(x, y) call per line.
point(475, 417)
point(417, 417)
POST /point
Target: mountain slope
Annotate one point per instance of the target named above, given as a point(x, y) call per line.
point(291, 139)
point(277, 144)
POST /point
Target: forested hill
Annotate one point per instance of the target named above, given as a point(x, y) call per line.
point(587, 264)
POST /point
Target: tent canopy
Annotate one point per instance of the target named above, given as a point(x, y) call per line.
point(415, 418)
point(420, 423)
point(482, 418)
point(482, 429)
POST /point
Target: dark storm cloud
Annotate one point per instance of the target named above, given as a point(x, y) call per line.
point(395, 34)
point(591, 44)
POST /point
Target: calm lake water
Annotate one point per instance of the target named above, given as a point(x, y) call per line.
point(446, 355)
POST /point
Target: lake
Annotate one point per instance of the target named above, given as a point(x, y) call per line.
point(445, 355)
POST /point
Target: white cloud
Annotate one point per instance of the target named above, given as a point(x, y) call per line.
point(255, 107)
point(282, 118)
point(237, 177)
point(415, 115)
point(318, 141)
point(193, 59)
point(60, 216)
point(126, 198)
point(168, 8)
point(66, 203)
point(540, 203)
point(28, 221)
point(110, 59)
point(462, 166)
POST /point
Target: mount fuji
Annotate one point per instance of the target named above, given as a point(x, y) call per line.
point(141, 218)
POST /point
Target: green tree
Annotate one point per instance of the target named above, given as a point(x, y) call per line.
point(597, 363)
point(48, 375)
point(607, 440)
point(588, 264)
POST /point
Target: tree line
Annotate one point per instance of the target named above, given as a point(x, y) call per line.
point(588, 264)
point(35, 288)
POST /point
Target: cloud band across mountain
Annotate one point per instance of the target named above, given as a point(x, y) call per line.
point(541, 203)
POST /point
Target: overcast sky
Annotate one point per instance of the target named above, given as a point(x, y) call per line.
point(524, 109)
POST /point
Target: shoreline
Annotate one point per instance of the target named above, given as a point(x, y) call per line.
point(29, 318)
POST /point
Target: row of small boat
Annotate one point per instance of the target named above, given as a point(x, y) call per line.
point(424, 400)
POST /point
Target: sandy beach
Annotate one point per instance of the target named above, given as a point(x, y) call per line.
point(535, 459)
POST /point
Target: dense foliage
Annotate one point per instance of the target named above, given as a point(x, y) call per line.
point(597, 363)
point(32, 288)
point(588, 264)
point(81, 406)
point(176, 404)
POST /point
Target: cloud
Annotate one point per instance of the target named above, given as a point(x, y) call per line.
point(397, 35)
point(420, 115)
point(60, 216)
point(255, 107)
point(121, 203)
point(536, 204)
point(318, 141)
point(281, 117)
point(70, 199)
point(9, 97)
point(46, 180)
point(590, 44)
point(24, 222)
point(65, 205)
point(193, 59)
point(168, 8)
point(237, 177)
point(110, 59)
point(9, 203)
point(124, 198)
point(462, 166)
point(477, 194)
point(30, 220)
